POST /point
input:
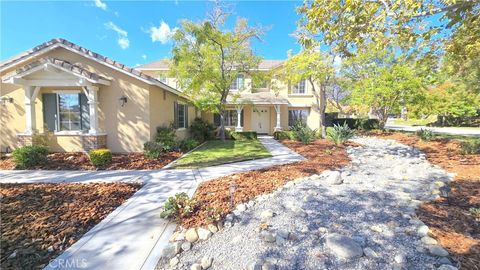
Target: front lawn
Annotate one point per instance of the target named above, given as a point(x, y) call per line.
point(220, 152)
point(40, 221)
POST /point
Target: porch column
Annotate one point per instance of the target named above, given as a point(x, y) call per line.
point(278, 127)
point(31, 93)
point(239, 118)
point(93, 108)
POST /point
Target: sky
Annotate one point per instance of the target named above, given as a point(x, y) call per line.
point(135, 32)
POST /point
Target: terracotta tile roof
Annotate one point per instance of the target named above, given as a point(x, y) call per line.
point(61, 64)
point(163, 65)
point(59, 42)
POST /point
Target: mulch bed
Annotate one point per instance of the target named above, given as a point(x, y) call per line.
point(456, 228)
point(39, 221)
point(320, 155)
point(80, 161)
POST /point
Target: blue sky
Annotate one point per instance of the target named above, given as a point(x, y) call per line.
point(132, 32)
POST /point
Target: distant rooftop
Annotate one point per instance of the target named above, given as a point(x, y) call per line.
point(163, 64)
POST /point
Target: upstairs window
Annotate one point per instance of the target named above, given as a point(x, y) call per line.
point(297, 115)
point(299, 88)
point(238, 83)
point(162, 78)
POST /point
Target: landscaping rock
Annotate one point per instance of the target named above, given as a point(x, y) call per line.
point(254, 266)
point(186, 246)
point(212, 228)
point(428, 240)
point(423, 230)
point(268, 266)
point(447, 267)
point(196, 266)
point(174, 261)
point(267, 236)
point(343, 246)
point(266, 214)
point(437, 251)
point(332, 177)
point(241, 207)
point(206, 262)
point(170, 251)
point(191, 235)
point(370, 253)
point(203, 234)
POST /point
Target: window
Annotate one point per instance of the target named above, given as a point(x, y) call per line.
point(297, 115)
point(65, 112)
point(238, 83)
point(299, 88)
point(230, 118)
point(181, 115)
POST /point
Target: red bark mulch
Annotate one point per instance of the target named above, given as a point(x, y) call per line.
point(39, 221)
point(320, 155)
point(456, 228)
point(80, 161)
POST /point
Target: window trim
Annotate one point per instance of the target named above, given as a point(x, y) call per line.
point(236, 81)
point(58, 121)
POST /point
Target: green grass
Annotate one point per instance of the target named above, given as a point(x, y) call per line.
point(415, 122)
point(217, 152)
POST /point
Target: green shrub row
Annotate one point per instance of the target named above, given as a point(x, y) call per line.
point(470, 147)
point(283, 135)
point(243, 135)
point(357, 123)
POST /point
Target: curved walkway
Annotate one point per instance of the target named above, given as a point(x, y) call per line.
point(360, 217)
point(132, 236)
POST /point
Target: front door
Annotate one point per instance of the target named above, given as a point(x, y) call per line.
point(261, 120)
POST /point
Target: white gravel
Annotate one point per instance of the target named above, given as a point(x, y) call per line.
point(374, 205)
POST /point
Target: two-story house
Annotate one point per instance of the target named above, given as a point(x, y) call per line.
point(272, 105)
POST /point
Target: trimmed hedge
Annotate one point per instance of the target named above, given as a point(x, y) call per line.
point(283, 135)
point(100, 157)
point(27, 157)
point(357, 123)
point(244, 135)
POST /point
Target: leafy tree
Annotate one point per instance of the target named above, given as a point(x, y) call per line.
point(207, 58)
point(382, 83)
point(316, 68)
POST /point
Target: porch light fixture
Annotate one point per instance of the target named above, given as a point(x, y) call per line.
point(6, 99)
point(123, 101)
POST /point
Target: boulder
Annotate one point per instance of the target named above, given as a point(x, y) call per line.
point(206, 262)
point(438, 251)
point(332, 177)
point(203, 234)
point(343, 246)
point(191, 235)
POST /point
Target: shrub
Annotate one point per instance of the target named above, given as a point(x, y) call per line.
point(283, 135)
point(178, 207)
point(340, 133)
point(213, 214)
point(470, 147)
point(166, 136)
point(100, 157)
point(201, 130)
point(357, 123)
point(27, 157)
point(188, 144)
point(243, 135)
point(475, 211)
point(301, 132)
point(153, 149)
point(425, 134)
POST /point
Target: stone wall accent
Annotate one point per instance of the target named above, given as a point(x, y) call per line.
point(90, 142)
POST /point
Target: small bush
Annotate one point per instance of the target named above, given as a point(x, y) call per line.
point(201, 130)
point(27, 157)
point(283, 135)
point(301, 132)
point(475, 211)
point(357, 123)
point(470, 147)
point(178, 207)
point(425, 134)
point(166, 136)
point(100, 157)
point(188, 144)
point(339, 134)
point(243, 135)
point(153, 149)
point(213, 215)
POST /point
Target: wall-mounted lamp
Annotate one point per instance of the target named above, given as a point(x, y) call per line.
point(6, 99)
point(123, 101)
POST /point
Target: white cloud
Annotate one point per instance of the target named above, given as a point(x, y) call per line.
point(101, 5)
point(162, 33)
point(144, 56)
point(123, 41)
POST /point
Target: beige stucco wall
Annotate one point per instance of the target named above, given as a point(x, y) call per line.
point(127, 127)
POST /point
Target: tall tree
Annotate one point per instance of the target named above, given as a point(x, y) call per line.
point(382, 84)
point(207, 58)
point(317, 69)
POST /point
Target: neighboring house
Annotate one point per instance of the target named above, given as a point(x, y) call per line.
point(81, 100)
point(274, 105)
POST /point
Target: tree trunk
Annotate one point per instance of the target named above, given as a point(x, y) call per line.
point(222, 125)
point(321, 111)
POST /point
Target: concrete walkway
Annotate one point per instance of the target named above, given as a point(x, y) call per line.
point(132, 236)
